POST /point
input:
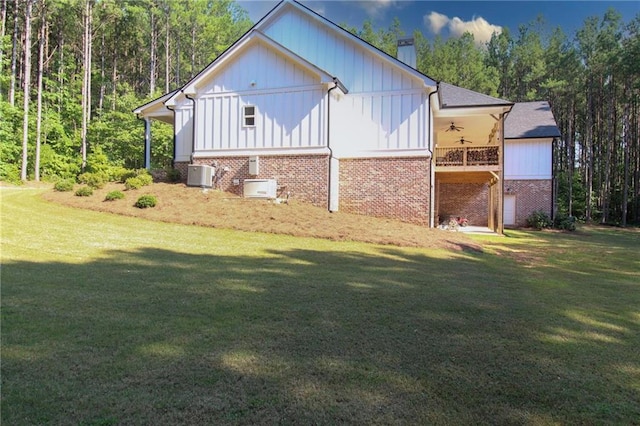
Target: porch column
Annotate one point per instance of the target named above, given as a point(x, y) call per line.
point(147, 143)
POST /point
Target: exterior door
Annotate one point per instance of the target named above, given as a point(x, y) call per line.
point(509, 210)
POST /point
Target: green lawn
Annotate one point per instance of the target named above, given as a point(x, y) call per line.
point(114, 320)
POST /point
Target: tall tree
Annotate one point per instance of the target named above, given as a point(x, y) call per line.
point(27, 72)
point(87, 20)
point(41, 45)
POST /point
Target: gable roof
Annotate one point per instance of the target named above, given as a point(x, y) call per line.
point(252, 37)
point(456, 97)
point(157, 109)
point(284, 4)
point(531, 120)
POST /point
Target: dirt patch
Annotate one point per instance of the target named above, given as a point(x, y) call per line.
point(178, 203)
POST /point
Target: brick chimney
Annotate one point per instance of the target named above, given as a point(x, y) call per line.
point(407, 52)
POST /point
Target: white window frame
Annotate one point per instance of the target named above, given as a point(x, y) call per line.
point(246, 117)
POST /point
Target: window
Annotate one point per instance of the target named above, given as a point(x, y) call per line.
point(249, 115)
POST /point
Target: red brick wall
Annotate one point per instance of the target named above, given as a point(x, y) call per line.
point(304, 177)
point(470, 200)
point(531, 195)
point(396, 188)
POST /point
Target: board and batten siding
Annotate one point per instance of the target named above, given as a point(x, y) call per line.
point(373, 124)
point(527, 159)
point(385, 111)
point(358, 68)
point(289, 102)
point(283, 119)
point(183, 131)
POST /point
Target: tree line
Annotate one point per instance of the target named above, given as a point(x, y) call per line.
point(73, 70)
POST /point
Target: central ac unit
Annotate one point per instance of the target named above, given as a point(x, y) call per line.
point(200, 175)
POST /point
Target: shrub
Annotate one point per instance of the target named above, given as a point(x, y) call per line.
point(94, 180)
point(114, 195)
point(538, 220)
point(133, 183)
point(84, 191)
point(174, 175)
point(146, 201)
point(129, 173)
point(64, 185)
point(146, 179)
point(565, 222)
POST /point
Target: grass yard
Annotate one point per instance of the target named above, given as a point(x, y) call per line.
point(118, 320)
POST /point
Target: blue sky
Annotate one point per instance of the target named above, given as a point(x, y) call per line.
point(451, 18)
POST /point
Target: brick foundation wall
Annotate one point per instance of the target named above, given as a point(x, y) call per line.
point(531, 195)
point(470, 200)
point(396, 188)
point(304, 177)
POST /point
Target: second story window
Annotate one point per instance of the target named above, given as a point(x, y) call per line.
point(249, 115)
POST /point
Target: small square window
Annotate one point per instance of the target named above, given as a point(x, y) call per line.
point(249, 115)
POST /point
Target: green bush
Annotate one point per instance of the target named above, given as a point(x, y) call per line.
point(146, 201)
point(133, 183)
point(146, 179)
point(174, 175)
point(95, 180)
point(84, 191)
point(114, 195)
point(565, 222)
point(64, 185)
point(538, 220)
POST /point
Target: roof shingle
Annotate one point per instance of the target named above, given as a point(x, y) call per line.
point(531, 120)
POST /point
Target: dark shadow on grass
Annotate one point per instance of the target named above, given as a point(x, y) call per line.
point(312, 337)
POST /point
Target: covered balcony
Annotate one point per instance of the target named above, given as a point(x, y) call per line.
point(454, 158)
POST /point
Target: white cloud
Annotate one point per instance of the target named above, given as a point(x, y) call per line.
point(376, 8)
point(436, 22)
point(478, 26)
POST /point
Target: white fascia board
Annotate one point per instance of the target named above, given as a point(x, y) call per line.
point(267, 20)
point(467, 111)
point(528, 140)
point(322, 150)
point(153, 105)
point(251, 38)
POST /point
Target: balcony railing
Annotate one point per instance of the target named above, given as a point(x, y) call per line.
point(468, 156)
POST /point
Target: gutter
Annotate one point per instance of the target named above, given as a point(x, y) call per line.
point(432, 178)
point(173, 158)
point(336, 84)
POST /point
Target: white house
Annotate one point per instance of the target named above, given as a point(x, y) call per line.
point(331, 120)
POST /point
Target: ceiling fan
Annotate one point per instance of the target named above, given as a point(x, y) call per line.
point(462, 141)
point(453, 127)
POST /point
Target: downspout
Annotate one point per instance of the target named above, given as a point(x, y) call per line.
point(554, 190)
point(501, 195)
point(193, 130)
point(432, 177)
point(173, 158)
point(335, 86)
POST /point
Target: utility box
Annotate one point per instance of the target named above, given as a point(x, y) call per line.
point(254, 165)
point(260, 188)
point(200, 175)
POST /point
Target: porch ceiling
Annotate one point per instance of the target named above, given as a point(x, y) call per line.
point(475, 128)
point(466, 177)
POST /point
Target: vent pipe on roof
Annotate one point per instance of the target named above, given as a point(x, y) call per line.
point(407, 52)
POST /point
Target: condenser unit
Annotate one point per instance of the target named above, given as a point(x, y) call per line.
point(260, 188)
point(200, 175)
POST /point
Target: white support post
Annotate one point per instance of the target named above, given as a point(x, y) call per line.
point(147, 143)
